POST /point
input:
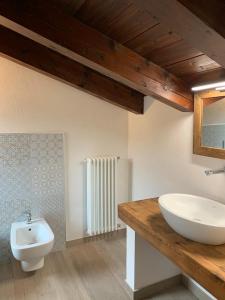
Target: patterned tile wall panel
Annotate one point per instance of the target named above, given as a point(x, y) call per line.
point(213, 136)
point(31, 177)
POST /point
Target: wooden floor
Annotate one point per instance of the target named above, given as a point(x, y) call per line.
point(92, 271)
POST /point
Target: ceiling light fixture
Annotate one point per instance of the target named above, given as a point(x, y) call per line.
point(222, 88)
point(208, 86)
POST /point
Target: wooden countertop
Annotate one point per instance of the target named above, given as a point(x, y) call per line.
point(205, 264)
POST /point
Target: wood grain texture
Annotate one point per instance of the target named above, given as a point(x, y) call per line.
point(210, 12)
point(99, 52)
point(156, 37)
point(190, 27)
point(58, 66)
point(70, 6)
point(120, 233)
point(173, 54)
point(205, 77)
point(131, 24)
point(193, 67)
point(119, 19)
point(211, 94)
point(204, 263)
point(199, 101)
point(90, 271)
point(101, 15)
point(209, 101)
point(141, 32)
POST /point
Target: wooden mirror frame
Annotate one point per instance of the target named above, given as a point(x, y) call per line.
point(198, 117)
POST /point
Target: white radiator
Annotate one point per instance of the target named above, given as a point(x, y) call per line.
point(101, 194)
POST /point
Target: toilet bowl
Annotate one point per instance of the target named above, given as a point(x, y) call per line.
point(31, 242)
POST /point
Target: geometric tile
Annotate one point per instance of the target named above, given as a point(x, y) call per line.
point(31, 176)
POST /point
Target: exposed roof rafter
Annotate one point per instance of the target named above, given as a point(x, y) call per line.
point(41, 58)
point(96, 51)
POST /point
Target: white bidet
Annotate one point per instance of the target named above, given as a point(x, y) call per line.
point(31, 242)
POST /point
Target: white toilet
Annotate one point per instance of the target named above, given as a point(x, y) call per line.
point(31, 242)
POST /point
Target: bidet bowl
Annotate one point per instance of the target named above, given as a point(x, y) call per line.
point(196, 218)
point(31, 241)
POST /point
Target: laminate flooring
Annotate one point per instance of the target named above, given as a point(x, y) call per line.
point(93, 270)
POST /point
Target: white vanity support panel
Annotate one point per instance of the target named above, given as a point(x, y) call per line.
point(144, 264)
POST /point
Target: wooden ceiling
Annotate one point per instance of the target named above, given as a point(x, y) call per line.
point(125, 23)
point(119, 50)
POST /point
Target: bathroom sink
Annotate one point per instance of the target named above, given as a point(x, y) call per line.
point(196, 218)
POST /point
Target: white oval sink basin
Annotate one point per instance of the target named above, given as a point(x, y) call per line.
point(199, 219)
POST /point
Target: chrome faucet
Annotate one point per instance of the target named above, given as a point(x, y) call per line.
point(212, 172)
point(28, 216)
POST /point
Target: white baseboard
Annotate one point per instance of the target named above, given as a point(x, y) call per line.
point(197, 290)
point(121, 232)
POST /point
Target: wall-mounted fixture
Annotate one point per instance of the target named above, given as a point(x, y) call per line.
point(209, 123)
point(28, 215)
point(222, 88)
point(212, 172)
point(101, 184)
point(209, 86)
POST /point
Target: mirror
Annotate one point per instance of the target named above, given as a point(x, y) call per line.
point(209, 129)
point(213, 123)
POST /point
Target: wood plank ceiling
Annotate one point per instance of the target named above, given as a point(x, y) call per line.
point(45, 23)
point(120, 39)
point(122, 21)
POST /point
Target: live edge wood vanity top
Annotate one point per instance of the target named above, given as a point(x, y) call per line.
point(205, 264)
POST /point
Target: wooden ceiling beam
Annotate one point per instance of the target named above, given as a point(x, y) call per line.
point(209, 101)
point(67, 35)
point(211, 94)
point(41, 58)
point(194, 21)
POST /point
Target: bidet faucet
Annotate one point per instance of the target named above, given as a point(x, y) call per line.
point(212, 172)
point(28, 215)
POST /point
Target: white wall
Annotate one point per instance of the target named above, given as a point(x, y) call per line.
point(160, 141)
point(160, 146)
point(32, 102)
point(144, 264)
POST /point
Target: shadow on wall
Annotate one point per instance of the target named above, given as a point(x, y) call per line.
point(148, 103)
